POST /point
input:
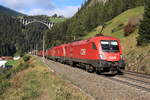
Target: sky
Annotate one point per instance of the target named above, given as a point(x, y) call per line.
point(66, 8)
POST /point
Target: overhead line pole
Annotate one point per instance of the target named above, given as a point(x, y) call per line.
point(36, 49)
point(103, 26)
point(43, 47)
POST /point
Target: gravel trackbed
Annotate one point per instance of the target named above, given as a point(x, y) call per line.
point(99, 87)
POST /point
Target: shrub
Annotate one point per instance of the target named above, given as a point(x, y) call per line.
point(21, 67)
point(143, 40)
point(22, 54)
point(131, 26)
point(26, 58)
point(61, 94)
point(128, 29)
point(121, 25)
point(5, 74)
point(4, 84)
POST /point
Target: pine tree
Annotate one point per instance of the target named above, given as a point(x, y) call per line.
point(144, 31)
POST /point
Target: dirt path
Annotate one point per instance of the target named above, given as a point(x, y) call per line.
point(99, 87)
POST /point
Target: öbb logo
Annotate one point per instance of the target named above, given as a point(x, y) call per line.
point(83, 52)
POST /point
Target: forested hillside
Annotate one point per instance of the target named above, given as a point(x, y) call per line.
point(10, 34)
point(14, 37)
point(33, 33)
point(33, 36)
point(92, 14)
point(10, 12)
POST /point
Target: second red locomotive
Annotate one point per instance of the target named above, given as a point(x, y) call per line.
point(100, 54)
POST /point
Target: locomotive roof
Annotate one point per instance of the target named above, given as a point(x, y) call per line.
point(87, 40)
point(104, 38)
point(92, 39)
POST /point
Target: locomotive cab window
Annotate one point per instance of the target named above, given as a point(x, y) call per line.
point(94, 46)
point(110, 45)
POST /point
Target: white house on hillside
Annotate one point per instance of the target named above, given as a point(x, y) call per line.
point(2, 63)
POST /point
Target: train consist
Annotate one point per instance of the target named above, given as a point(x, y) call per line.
point(101, 54)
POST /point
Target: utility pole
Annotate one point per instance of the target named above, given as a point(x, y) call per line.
point(43, 47)
point(74, 38)
point(36, 49)
point(103, 26)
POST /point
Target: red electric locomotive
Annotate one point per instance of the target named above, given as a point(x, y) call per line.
point(100, 54)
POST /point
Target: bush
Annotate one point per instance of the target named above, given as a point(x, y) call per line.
point(22, 54)
point(129, 29)
point(26, 58)
point(4, 84)
point(61, 94)
point(131, 26)
point(143, 40)
point(21, 67)
point(121, 25)
point(5, 74)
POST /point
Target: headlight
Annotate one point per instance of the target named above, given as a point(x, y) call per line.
point(102, 56)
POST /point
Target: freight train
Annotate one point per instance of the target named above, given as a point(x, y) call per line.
point(101, 54)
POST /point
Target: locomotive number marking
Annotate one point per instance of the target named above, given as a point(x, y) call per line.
point(83, 52)
point(113, 57)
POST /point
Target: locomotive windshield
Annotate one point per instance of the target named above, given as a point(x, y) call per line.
point(110, 45)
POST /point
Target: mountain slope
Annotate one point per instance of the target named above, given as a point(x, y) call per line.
point(123, 18)
point(8, 11)
point(137, 58)
point(91, 14)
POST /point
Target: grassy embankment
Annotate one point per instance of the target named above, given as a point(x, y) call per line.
point(13, 62)
point(37, 82)
point(137, 58)
point(57, 20)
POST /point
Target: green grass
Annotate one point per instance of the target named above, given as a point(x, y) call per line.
point(122, 19)
point(57, 20)
point(114, 23)
point(6, 74)
point(13, 62)
point(92, 33)
point(38, 83)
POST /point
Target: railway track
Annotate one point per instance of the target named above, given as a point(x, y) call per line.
point(137, 74)
point(144, 88)
point(133, 79)
point(94, 84)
